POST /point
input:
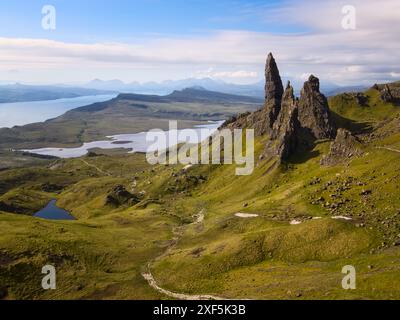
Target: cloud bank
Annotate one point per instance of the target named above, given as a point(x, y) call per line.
point(368, 54)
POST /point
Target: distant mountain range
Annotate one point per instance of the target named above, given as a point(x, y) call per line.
point(20, 92)
point(168, 86)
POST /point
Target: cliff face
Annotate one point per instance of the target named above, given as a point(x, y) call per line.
point(288, 121)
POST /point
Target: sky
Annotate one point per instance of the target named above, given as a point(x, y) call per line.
point(157, 40)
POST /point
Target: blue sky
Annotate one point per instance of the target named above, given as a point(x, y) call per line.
point(145, 40)
point(105, 20)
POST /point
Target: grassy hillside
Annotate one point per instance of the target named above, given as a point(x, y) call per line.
point(308, 221)
point(362, 108)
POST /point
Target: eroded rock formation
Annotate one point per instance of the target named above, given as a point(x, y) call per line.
point(389, 93)
point(262, 121)
point(290, 123)
point(273, 90)
point(120, 196)
point(314, 113)
point(284, 135)
point(343, 148)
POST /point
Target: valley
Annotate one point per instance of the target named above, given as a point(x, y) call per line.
point(317, 200)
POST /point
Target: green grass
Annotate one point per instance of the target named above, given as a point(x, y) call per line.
point(96, 259)
point(102, 254)
point(208, 256)
point(374, 111)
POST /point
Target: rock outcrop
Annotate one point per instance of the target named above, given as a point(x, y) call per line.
point(389, 93)
point(119, 196)
point(345, 147)
point(300, 122)
point(360, 98)
point(262, 121)
point(284, 136)
point(386, 94)
point(256, 120)
point(287, 104)
point(314, 113)
point(291, 124)
point(273, 90)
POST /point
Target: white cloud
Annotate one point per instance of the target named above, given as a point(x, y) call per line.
point(327, 15)
point(238, 74)
point(395, 75)
point(368, 54)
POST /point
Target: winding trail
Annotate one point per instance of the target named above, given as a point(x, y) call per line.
point(181, 296)
point(148, 276)
point(95, 167)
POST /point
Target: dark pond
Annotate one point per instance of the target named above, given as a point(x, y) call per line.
point(52, 212)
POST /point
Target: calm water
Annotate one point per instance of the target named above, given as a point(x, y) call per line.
point(52, 212)
point(21, 113)
point(136, 142)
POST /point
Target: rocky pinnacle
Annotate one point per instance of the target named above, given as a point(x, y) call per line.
point(286, 127)
point(292, 124)
point(273, 90)
point(314, 113)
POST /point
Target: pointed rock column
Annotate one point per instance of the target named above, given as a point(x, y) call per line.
point(273, 90)
point(284, 138)
point(287, 104)
point(314, 114)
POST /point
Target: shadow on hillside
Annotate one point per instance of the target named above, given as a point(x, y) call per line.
point(306, 150)
point(351, 125)
point(302, 156)
point(305, 146)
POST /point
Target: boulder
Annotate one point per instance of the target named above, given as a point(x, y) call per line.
point(119, 196)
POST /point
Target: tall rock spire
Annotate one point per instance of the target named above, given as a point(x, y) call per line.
point(273, 90)
point(292, 125)
point(287, 104)
point(314, 112)
point(284, 135)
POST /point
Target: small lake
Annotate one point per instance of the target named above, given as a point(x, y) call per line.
point(135, 142)
point(22, 113)
point(52, 212)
